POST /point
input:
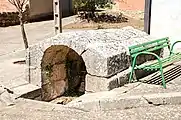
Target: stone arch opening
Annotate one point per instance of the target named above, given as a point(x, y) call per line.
point(63, 72)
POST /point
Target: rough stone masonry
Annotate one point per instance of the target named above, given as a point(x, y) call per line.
point(94, 60)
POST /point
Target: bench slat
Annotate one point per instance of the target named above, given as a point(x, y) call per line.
point(147, 43)
point(149, 46)
point(151, 49)
point(165, 62)
point(136, 50)
point(170, 58)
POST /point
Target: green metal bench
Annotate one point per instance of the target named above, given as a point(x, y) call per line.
point(148, 48)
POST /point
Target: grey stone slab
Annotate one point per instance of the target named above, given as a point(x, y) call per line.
point(41, 110)
point(170, 112)
point(24, 89)
point(111, 101)
point(95, 65)
point(6, 98)
point(98, 83)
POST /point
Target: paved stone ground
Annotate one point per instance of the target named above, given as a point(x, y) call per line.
point(33, 110)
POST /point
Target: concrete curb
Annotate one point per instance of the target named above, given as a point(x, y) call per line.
point(69, 20)
point(129, 102)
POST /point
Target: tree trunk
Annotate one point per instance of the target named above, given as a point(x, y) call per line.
point(23, 30)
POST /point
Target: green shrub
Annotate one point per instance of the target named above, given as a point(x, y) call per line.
point(90, 5)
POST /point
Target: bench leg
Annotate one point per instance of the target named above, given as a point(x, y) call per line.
point(132, 71)
point(131, 75)
point(163, 79)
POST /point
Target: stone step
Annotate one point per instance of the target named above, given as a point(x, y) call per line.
point(132, 95)
point(25, 89)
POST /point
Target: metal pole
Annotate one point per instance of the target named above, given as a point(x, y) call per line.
point(57, 5)
point(147, 16)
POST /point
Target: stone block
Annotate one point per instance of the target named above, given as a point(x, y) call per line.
point(97, 84)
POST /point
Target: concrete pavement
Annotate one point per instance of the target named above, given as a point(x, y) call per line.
point(11, 40)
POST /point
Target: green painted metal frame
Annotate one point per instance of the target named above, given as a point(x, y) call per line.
point(159, 61)
point(135, 55)
point(171, 50)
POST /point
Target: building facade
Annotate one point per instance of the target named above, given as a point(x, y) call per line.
point(35, 9)
point(5, 6)
point(43, 8)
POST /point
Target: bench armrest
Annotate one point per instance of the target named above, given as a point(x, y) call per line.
point(134, 62)
point(148, 53)
point(171, 50)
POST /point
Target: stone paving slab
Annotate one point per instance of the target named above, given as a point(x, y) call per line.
point(170, 112)
point(35, 110)
point(24, 89)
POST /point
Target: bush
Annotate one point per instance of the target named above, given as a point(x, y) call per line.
point(90, 5)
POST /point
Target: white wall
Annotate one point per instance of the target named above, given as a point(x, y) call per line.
point(166, 19)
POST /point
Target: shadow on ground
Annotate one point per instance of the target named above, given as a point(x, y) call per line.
point(169, 76)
